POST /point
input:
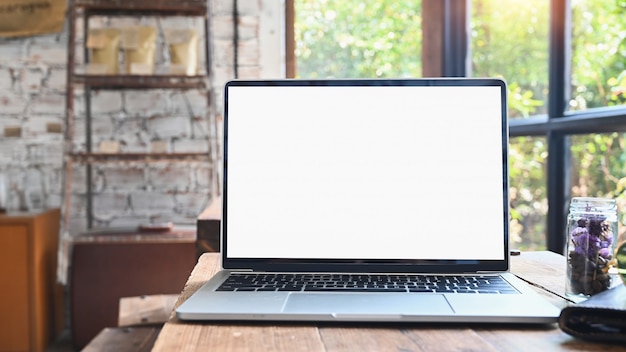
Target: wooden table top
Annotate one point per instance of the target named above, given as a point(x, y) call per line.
point(545, 269)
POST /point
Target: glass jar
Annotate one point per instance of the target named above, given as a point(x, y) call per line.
point(620, 256)
point(591, 230)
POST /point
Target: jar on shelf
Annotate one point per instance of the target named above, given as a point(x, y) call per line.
point(591, 231)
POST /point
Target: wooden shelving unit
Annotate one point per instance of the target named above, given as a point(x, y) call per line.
point(80, 11)
point(131, 249)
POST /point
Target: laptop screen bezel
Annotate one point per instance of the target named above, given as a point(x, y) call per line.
point(360, 265)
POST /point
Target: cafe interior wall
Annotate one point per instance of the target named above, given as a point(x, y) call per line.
point(32, 112)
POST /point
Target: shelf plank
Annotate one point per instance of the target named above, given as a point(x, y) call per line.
point(138, 157)
point(141, 81)
point(143, 7)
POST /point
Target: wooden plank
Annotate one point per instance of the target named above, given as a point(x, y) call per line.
point(402, 337)
point(138, 339)
point(239, 337)
point(145, 310)
point(449, 338)
point(538, 338)
point(207, 266)
point(291, 64)
point(544, 269)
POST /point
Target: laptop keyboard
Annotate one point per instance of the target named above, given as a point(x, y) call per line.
point(487, 284)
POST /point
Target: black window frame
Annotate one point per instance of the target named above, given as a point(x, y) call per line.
point(557, 125)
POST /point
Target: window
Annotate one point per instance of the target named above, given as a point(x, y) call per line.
point(527, 192)
point(512, 42)
point(597, 168)
point(357, 39)
point(598, 51)
point(563, 61)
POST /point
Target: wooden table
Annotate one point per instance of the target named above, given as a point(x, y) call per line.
point(546, 269)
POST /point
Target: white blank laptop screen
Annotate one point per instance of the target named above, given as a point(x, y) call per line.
point(368, 172)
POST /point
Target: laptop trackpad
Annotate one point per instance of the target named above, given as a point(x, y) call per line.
point(367, 303)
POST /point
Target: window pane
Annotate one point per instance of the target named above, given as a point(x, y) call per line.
point(358, 39)
point(511, 41)
point(598, 162)
point(598, 51)
point(529, 204)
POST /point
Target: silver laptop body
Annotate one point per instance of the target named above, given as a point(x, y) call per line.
point(367, 178)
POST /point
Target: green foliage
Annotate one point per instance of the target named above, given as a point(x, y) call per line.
point(358, 39)
point(600, 169)
point(521, 102)
point(510, 40)
point(598, 51)
point(599, 79)
point(527, 190)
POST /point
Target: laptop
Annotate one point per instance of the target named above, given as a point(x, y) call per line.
point(371, 200)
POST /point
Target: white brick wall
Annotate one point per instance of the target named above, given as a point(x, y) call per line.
point(13, 102)
point(103, 102)
point(47, 103)
point(172, 177)
point(32, 97)
point(14, 52)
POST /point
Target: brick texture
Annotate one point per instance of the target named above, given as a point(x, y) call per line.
point(32, 101)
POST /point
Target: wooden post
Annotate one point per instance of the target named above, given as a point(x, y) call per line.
point(432, 38)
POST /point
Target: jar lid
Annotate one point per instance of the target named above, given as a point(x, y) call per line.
point(592, 205)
